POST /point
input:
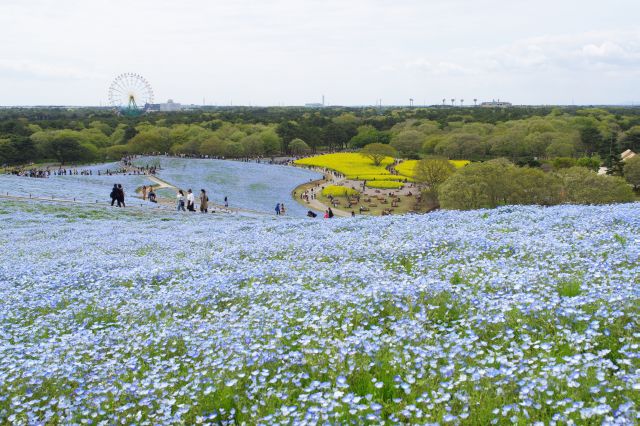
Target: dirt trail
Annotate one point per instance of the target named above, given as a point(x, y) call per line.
point(159, 183)
point(316, 204)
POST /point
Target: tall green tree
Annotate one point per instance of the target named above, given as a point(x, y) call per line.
point(632, 171)
point(433, 171)
point(299, 147)
point(377, 152)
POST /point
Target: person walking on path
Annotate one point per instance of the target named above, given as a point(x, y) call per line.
point(226, 202)
point(114, 194)
point(278, 209)
point(180, 200)
point(326, 214)
point(282, 210)
point(330, 213)
point(204, 201)
point(121, 196)
point(191, 201)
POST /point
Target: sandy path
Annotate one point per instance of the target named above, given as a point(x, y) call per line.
point(316, 204)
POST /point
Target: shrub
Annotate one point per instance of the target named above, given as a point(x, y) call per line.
point(582, 186)
point(569, 288)
point(563, 163)
point(591, 163)
point(498, 182)
point(478, 185)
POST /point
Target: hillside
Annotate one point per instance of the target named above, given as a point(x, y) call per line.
point(518, 314)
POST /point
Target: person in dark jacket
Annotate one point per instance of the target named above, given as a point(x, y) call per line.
point(120, 196)
point(114, 194)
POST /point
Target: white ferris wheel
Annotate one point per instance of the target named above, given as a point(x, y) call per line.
point(130, 93)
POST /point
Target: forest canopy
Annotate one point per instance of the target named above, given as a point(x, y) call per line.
point(521, 134)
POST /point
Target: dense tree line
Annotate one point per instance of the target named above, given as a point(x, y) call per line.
point(499, 182)
point(524, 135)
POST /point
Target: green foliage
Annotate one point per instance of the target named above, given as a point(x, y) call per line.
point(563, 163)
point(367, 135)
point(408, 143)
point(433, 171)
point(569, 288)
point(632, 171)
point(522, 134)
point(298, 146)
point(591, 163)
point(498, 182)
point(582, 186)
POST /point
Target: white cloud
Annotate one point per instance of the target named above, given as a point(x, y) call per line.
point(575, 52)
point(47, 70)
point(291, 51)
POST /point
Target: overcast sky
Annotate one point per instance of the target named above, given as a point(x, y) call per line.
point(262, 52)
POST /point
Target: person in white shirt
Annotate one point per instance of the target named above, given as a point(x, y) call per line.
point(180, 200)
point(191, 206)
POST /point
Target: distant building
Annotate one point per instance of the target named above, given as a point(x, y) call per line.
point(496, 104)
point(170, 106)
point(314, 105)
point(627, 154)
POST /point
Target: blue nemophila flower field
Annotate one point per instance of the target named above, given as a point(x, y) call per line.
point(247, 185)
point(519, 315)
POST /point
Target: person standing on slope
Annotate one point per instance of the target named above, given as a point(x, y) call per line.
point(120, 196)
point(114, 194)
point(204, 201)
point(191, 201)
point(180, 200)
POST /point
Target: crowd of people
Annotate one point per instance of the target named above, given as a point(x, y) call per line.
point(117, 195)
point(187, 202)
point(46, 172)
point(280, 209)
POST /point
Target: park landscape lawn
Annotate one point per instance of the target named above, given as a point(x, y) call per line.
point(515, 315)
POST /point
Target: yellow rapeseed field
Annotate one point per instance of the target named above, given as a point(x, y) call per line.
point(352, 165)
point(338, 191)
point(384, 184)
point(406, 168)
